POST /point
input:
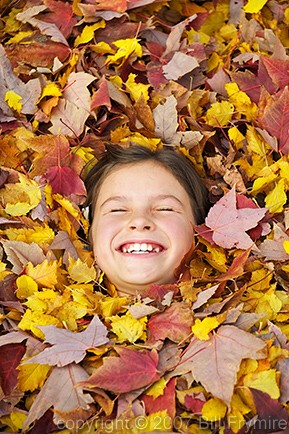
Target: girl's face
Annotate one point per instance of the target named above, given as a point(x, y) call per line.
point(142, 226)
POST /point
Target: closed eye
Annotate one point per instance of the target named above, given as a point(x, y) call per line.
point(165, 209)
point(118, 210)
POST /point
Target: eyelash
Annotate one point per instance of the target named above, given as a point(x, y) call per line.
point(165, 209)
point(118, 210)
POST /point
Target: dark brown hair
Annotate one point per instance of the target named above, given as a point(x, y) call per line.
point(172, 160)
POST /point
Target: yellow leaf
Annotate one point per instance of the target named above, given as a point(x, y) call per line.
point(45, 274)
point(148, 142)
point(51, 89)
point(88, 33)
point(202, 328)
point(214, 410)
point(236, 136)
point(102, 48)
point(19, 37)
point(32, 376)
point(265, 381)
point(277, 198)
point(286, 246)
point(219, 114)
point(119, 134)
point(128, 328)
point(15, 421)
point(80, 272)
point(26, 286)
point(214, 62)
point(254, 6)
point(126, 48)
point(157, 389)
point(13, 100)
point(30, 320)
point(242, 103)
point(113, 305)
point(197, 37)
point(255, 142)
point(69, 313)
point(238, 410)
point(40, 234)
point(21, 197)
point(137, 89)
point(261, 183)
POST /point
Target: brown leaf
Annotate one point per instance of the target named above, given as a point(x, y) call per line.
point(20, 253)
point(68, 347)
point(215, 362)
point(62, 392)
point(37, 53)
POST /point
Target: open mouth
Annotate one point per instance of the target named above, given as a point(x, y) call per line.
point(141, 248)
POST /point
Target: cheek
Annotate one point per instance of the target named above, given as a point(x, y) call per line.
point(103, 233)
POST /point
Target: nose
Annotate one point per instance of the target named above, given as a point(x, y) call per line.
point(140, 221)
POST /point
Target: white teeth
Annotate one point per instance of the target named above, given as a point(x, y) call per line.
point(140, 248)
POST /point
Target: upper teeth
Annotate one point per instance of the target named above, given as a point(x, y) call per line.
point(143, 247)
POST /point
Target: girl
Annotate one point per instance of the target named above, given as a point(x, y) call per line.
point(143, 206)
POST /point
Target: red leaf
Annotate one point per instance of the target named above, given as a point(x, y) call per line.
point(175, 323)
point(131, 371)
point(61, 15)
point(194, 403)
point(101, 97)
point(65, 181)
point(166, 401)
point(278, 70)
point(271, 414)
point(157, 292)
point(276, 119)
point(11, 355)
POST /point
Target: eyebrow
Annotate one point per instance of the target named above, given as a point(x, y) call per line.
point(124, 198)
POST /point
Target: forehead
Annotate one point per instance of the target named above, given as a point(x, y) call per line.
point(150, 175)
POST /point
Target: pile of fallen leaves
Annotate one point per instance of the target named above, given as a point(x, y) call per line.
point(209, 354)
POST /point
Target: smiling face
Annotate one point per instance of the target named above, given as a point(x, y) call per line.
point(142, 226)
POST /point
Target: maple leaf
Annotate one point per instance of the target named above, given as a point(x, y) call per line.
point(215, 362)
point(174, 323)
point(131, 370)
point(229, 225)
point(65, 181)
point(68, 347)
point(62, 392)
